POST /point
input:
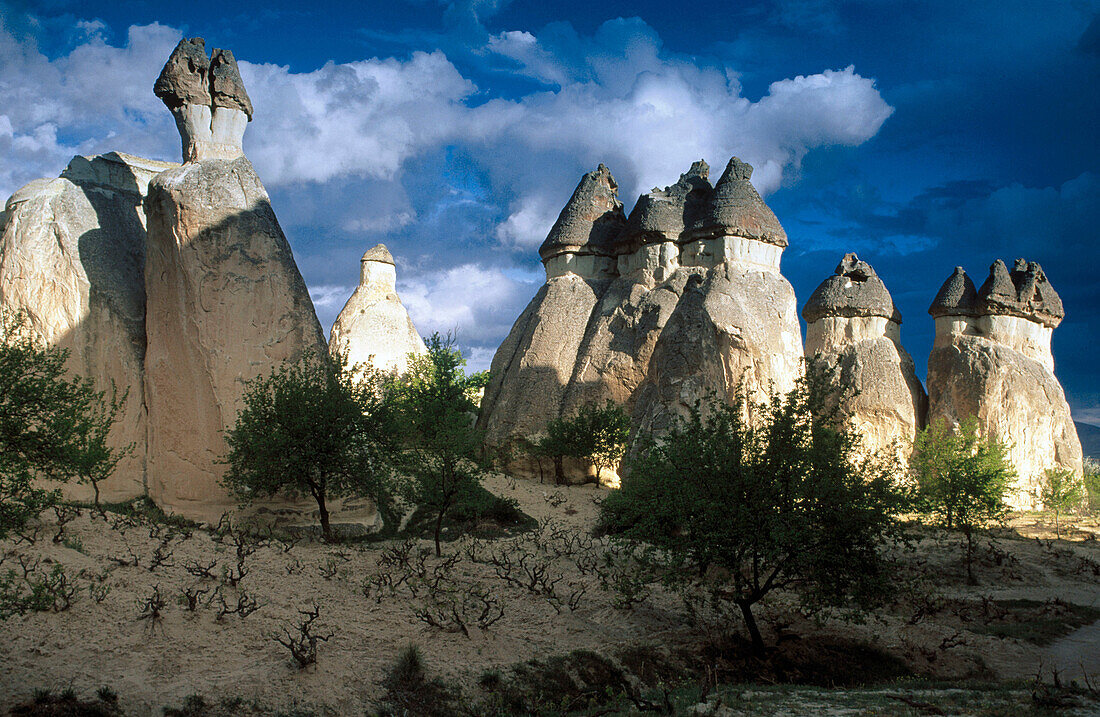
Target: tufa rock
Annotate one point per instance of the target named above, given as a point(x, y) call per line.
point(208, 100)
point(991, 359)
point(374, 326)
point(853, 326)
point(854, 289)
point(71, 257)
point(657, 327)
point(736, 209)
point(225, 304)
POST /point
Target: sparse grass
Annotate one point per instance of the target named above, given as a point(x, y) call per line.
point(1036, 622)
point(482, 512)
point(46, 703)
point(141, 508)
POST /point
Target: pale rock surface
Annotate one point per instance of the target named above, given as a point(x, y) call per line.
point(991, 359)
point(693, 303)
point(374, 327)
point(71, 257)
point(853, 326)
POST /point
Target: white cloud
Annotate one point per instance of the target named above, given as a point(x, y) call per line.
point(329, 296)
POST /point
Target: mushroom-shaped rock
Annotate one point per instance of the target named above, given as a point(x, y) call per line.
point(991, 359)
point(591, 220)
point(662, 214)
point(1023, 292)
point(207, 98)
point(854, 289)
point(736, 209)
point(374, 328)
point(957, 296)
point(852, 324)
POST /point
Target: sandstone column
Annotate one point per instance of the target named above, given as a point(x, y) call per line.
point(853, 326)
point(226, 302)
point(374, 327)
point(991, 359)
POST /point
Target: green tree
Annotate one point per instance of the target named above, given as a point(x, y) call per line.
point(1061, 492)
point(314, 427)
point(96, 458)
point(598, 434)
point(744, 508)
point(963, 478)
point(441, 449)
point(51, 426)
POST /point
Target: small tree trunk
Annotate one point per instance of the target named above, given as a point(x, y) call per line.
point(970, 555)
point(559, 470)
point(99, 509)
point(754, 631)
point(326, 531)
point(439, 529)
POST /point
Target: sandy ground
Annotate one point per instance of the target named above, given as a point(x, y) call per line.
point(103, 638)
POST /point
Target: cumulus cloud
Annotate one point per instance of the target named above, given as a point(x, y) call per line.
point(412, 150)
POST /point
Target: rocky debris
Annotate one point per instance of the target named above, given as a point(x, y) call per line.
point(207, 97)
point(71, 257)
point(690, 302)
point(991, 359)
point(853, 326)
point(374, 326)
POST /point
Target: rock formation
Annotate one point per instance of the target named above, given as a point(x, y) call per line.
point(653, 312)
point(991, 359)
point(853, 326)
point(374, 326)
point(225, 300)
point(71, 257)
point(207, 97)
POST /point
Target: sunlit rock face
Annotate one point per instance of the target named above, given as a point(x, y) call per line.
point(374, 328)
point(991, 359)
point(225, 300)
point(681, 299)
point(853, 326)
point(71, 258)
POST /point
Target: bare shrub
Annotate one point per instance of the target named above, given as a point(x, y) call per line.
point(302, 643)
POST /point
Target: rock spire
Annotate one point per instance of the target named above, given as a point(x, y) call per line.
point(374, 326)
point(207, 98)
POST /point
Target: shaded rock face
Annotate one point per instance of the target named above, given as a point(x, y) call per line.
point(71, 257)
point(853, 326)
point(374, 326)
point(693, 303)
point(991, 359)
point(208, 100)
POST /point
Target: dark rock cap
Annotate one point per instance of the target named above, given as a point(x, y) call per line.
point(736, 209)
point(662, 214)
point(191, 78)
point(957, 296)
point(378, 252)
point(854, 289)
point(185, 77)
point(592, 219)
point(226, 85)
point(1023, 292)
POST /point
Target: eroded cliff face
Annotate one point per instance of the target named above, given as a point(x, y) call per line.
point(991, 359)
point(71, 258)
point(853, 326)
point(681, 299)
point(373, 327)
point(225, 304)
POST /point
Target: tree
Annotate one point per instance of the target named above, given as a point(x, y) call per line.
point(51, 426)
point(748, 507)
point(1061, 492)
point(598, 434)
point(963, 478)
point(313, 427)
point(96, 458)
point(441, 448)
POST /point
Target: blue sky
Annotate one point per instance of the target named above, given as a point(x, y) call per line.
point(922, 135)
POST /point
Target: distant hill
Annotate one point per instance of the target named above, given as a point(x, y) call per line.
point(1090, 439)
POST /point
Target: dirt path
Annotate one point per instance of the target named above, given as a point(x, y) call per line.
point(1077, 655)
